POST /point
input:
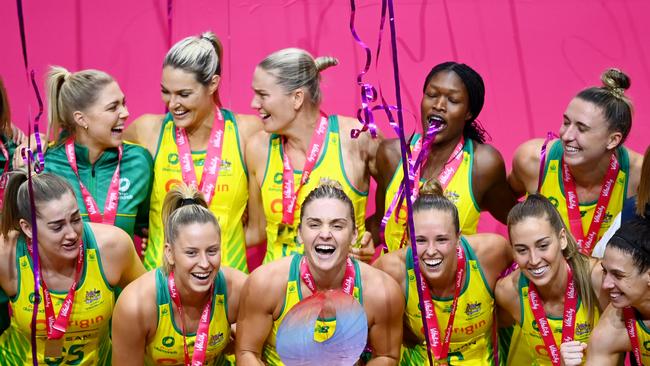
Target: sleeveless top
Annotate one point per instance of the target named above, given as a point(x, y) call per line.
point(228, 203)
point(459, 191)
point(86, 341)
point(553, 189)
point(282, 242)
point(166, 347)
point(643, 333)
point(293, 296)
point(471, 339)
point(527, 346)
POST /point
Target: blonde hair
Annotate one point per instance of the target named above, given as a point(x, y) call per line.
point(184, 205)
point(295, 68)
point(328, 188)
point(199, 55)
point(69, 92)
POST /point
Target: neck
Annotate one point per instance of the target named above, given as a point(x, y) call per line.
point(439, 156)
point(591, 174)
point(199, 133)
point(192, 299)
point(298, 134)
point(644, 308)
point(63, 267)
point(327, 279)
point(553, 292)
point(94, 151)
point(445, 285)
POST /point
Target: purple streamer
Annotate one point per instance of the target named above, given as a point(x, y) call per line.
point(170, 8)
point(37, 168)
point(542, 158)
point(407, 182)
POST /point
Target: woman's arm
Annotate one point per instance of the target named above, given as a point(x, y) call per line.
point(145, 131)
point(260, 297)
point(609, 339)
point(133, 318)
point(385, 302)
point(490, 185)
point(119, 258)
point(235, 280)
point(525, 167)
point(256, 151)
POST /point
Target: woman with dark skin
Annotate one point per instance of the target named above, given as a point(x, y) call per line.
point(453, 96)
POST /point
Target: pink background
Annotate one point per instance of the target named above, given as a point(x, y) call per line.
point(533, 55)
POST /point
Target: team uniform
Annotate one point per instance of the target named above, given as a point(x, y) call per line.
point(230, 197)
point(87, 340)
point(643, 333)
point(459, 191)
point(553, 188)
point(472, 335)
point(4, 300)
point(166, 347)
point(281, 240)
point(527, 346)
point(292, 297)
point(135, 181)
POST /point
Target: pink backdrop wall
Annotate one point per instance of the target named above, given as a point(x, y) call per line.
point(533, 55)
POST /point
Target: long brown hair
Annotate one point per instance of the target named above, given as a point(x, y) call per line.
point(538, 206)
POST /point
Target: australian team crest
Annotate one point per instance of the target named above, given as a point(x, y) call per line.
point(92, 296)
point(215, 339)
point(453, 196)
point(583, 328)
point(473, 308)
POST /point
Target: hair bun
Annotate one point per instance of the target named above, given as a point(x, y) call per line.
point(323, 62)
point(432, 187)
point(330, 182)
point(615, 80)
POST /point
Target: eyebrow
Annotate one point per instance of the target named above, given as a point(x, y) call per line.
point(54, 222)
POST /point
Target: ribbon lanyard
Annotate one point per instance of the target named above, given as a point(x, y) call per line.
point(585, 243)
point(630, 327)
point(289, 194)
point(201, 340)
point(112, 196)
point(212, 158)
point(56, 326)
point(4, 178)
point(348, 278)
point(568, 323)
point(440, 350)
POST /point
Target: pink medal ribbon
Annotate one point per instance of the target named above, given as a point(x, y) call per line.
point(444, 177)
point(568, 323)
point(630, 327)
point(348, 278)
point(575, 219)
point(440, 350)
point(4, 178)
point(212, 158)
point(112, 196)
point(56, 326)
point(202, 333)
point(289, 194)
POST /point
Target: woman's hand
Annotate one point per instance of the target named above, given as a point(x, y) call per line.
point(365, 251)
point(572, 353)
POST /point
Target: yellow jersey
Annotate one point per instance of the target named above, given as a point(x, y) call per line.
point(281, 241)
point(292, 297)
point(527, 346)
point(553, 189)
point(230, 197)
point(87, 340)
point(472, 333)
point(166, 347)
point(459, 191)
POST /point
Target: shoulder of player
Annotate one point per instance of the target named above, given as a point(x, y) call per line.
point(138, 300)
point(378, 285)
point(487, 158)
point(247, 124)
point(271, 278)
point(112, 241)
point(388, 156)
point(506, 290)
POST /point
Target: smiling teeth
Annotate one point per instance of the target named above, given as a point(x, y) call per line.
point(538, 271)
point(571, 149)
point(178, 113)
point(201, 276)
point(432, 262)
point(325, 247)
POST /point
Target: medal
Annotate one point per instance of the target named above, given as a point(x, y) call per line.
point(53, 348)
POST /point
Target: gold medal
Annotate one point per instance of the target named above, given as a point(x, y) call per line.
point(53, 348)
